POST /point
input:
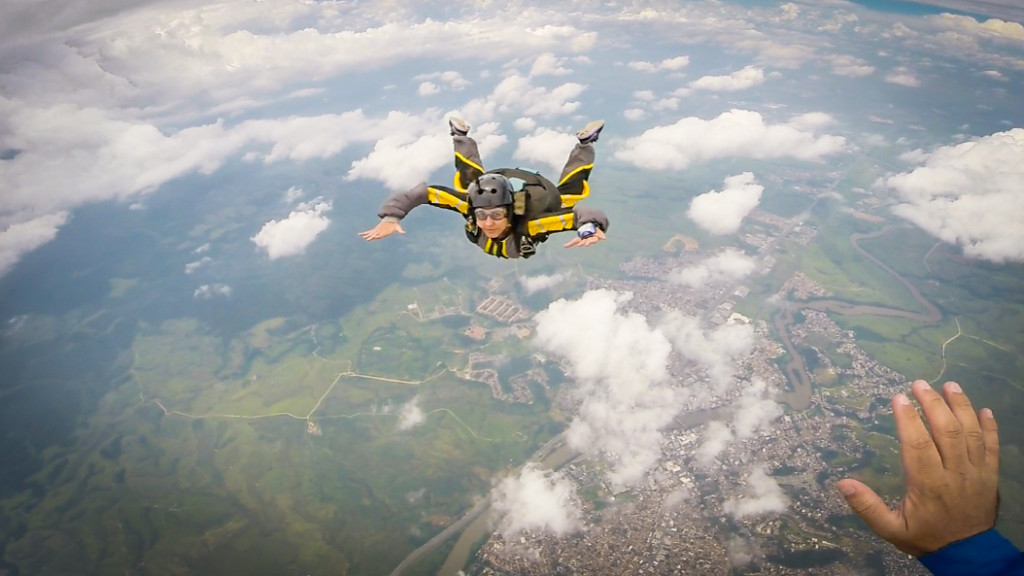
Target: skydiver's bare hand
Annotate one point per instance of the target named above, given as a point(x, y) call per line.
point(578, 242)
point(952, 474)
point(383, 229)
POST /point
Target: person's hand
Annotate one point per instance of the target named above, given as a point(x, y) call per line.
point(578, 242)
point(383, 229)
point(952, 474)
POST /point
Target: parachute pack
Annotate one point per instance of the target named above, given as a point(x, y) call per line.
point(532, 194)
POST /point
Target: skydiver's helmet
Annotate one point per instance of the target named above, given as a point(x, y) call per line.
point(490, 190)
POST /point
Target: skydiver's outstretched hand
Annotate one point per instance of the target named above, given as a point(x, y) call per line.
point(383, 229)
point(578, 242)
point(952, 474)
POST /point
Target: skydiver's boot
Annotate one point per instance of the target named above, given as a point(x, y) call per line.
point(458, 126)
point(590, 132)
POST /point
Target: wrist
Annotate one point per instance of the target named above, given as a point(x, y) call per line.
point(586, 230)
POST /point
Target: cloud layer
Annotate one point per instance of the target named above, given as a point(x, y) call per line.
point(736, 133)
point(970, 195)
point(722, 212)
point(536, 500)
point(619, 364)
point(729, 265)
point(291, 236)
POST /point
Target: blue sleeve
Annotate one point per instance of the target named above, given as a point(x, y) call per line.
point(985, 554)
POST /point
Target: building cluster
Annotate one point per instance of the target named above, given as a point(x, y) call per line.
point(481, 368)
point(502, 309)
point(450, 305)
point(800, 287)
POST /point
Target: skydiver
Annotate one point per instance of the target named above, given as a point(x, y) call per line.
point(508, 211)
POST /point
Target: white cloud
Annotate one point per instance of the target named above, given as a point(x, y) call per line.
point(548, 64)
point(411, 415)
point(970, 195)
point(737, 133)
point(428, 89)
point(789, 11)
point(210, 54)
point(517, 93)
point(668, 64)
point(730, 265)
point(402, 161)
point(717, 437)
point(788, 53)
point(677, 63)
point(755, 410)
point(545, 147)
point(23, 237)
point(100, 108)
point(717, 350)
point(666, 104)
point(78, 156)
point(537, 501)
point(722, 212)
point(740, 80)
point(634, 114)
point(436, 81)
point(620, 371)
point(533, 284)
point(903, 77)
point(191, 267)
point(763, 496)
point(851, 66)
point(292, 194)
point(208, 291)
point(524, 124)
point(403, 158)
point(991, 28)
point(291, 236)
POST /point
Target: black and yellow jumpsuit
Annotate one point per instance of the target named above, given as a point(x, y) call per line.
point(527, 231)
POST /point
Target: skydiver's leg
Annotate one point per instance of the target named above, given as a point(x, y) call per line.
point(572, 184)
point(468, 165)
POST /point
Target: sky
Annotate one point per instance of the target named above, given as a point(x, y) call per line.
point(110, 101)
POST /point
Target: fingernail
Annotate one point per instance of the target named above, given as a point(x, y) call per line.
point(902, 400)
point(954, 388)
point(987, 413)
point(846, 489)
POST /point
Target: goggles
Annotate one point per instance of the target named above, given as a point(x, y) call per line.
point(496, 214)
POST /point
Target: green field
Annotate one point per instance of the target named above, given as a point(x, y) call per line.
point(200, 460)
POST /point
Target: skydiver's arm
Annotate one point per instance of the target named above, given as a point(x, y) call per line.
point(591, 225)
point(585, 215)
point(398, 205)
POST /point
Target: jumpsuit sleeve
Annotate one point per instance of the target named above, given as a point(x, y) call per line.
point(985, 554)
point(586, 215)
point(399, 204)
